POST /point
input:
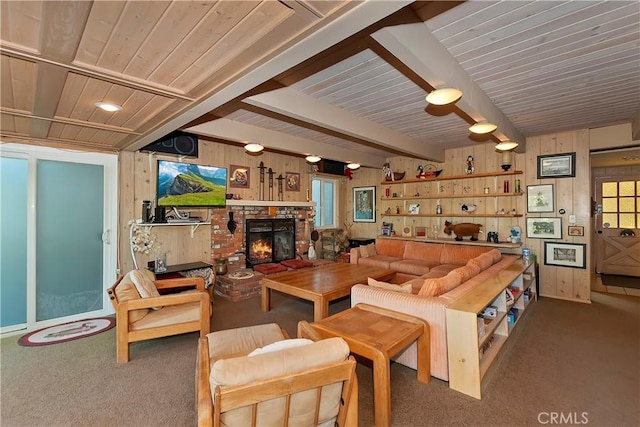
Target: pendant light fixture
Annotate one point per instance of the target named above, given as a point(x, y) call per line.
point(444, 96)
point(483, 127)
point(312, 158)
point(506, 145)
point(353, 165)
point(253, 147)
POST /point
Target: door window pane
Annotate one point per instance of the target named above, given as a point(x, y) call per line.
point(626, 189)
point(611, 219)
point(627, 204)
point(13, 241)
point(610, 205)
point(626, 221)
point(609, 189)
point(69, 248)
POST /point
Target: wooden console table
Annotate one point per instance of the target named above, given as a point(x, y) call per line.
point(378, 334)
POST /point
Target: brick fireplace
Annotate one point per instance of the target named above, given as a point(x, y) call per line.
point(233, 246)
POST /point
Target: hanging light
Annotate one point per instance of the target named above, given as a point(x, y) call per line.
point(444, 96)
point(353, 165)
point(483, 127)
point(253, 147)
point(312, 158)
point(506, 145)
point(106, 106)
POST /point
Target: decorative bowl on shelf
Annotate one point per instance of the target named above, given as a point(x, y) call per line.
point(469, 208)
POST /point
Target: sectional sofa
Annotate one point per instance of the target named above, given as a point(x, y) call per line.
point(439, 274)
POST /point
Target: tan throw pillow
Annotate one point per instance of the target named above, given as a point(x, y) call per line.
point(405, 289)
point(146, 288)
point(440, 285)
point(368, 250)
point(126, 291)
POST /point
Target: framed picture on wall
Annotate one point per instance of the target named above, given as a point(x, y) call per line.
point(544, 228)
point(576, 230)
point(239, 176)
point(292, 181)
point(557, 165)
point(540, 198)
point(364, 204)
point(565, 254)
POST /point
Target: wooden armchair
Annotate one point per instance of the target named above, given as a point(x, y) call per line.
point(310, 385)
point(139, 319)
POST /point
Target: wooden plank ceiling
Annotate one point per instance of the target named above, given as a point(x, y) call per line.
point(345, 80)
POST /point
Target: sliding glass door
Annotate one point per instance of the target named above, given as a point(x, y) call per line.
point(61, 221)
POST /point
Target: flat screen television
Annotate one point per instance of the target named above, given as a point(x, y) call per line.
point(186, 184)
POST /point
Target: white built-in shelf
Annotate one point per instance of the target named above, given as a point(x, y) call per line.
point(281, 203)
point(452, 241)
point(452, 196)
point(463, 215)
point(452, 177)
point(194, 225)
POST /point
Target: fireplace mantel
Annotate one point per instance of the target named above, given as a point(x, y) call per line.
point(285, 203)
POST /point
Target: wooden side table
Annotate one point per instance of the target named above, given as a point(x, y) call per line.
point(377, 334)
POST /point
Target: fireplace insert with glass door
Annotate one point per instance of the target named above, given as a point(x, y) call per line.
point(270, 240)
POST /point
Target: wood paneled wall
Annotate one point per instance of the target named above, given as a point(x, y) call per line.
point(137, 175)
point(137, 183)
point(572, 195)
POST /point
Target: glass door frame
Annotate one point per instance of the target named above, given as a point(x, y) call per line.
point(32, 154)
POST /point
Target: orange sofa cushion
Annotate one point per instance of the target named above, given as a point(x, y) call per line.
point(438, 286)
point(460, 254)
point(390, 247)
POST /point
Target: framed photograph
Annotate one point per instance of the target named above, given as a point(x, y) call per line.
point(292, 181)
point(544, 228)
point(540, 198)
point(239, 176)
point(565, 254)
point(414, 209)
point(576, 230)
point(421, 232)
point(557, 165)
point(364, 204)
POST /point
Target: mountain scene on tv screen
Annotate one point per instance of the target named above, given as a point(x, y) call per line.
point(182, 184)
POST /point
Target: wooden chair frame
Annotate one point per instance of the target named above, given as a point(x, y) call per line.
point(125, 336)
point(232, 397)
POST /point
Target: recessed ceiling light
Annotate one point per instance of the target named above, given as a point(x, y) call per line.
point(108, 107)
point(483, 127)
point(444, 96)
point(253, 147)
point(312, 158)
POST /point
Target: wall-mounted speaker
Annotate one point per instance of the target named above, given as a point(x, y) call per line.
point(331, 167)
point(178, 143)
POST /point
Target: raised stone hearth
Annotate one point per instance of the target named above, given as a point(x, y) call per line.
point(238, 289)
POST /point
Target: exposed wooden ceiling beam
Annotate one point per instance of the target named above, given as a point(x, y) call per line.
point(299, 106)
point(240, 132)
point(420, 50)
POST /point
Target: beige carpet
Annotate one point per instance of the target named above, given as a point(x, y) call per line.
point(567, 358)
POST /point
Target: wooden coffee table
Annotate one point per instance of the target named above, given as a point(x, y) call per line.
point(377, 334)
point(320, 285)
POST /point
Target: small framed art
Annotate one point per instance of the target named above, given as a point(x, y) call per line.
point(239, 176)
point(544, 228)
point(292, 181)
point(540, 198)
point(364, 204)
point(576, 230)
point(557, 165)
point(414, 209)
point(565, 254)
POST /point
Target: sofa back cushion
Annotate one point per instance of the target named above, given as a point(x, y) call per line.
point(438, 286)
point(242, 370)
point(466, 272)
point(482, 261)
point(429, 252)
point(496, 254)
point(368, 250)
point(460, 254)
point(390, 247)
point(404, 288)
point(126, 291)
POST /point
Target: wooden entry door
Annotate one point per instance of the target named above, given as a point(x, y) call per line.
point(617, 212)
